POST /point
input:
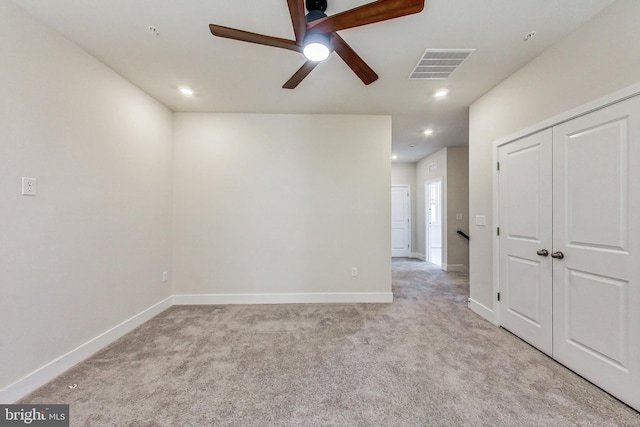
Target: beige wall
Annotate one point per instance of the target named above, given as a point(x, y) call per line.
point(405, 174)
point(89, 250)
point(457, 204)
point(281, 204)
point(595, 60)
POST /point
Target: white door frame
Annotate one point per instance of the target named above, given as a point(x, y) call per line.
point(427, 241)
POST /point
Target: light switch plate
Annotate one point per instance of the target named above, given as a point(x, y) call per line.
point(481, 220)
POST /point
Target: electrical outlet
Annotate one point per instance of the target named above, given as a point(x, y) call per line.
point(29, 186)
point(354, 272)
point(165, 276)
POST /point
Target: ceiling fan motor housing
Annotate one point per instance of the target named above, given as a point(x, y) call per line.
point(316, 9)
point(316, 5)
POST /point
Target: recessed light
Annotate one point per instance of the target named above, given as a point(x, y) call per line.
point(412, 145)
point(186, 91)
point(530, 36)
point(153, 30)
point(428, 132)
point(394, 157)
point(441, 92)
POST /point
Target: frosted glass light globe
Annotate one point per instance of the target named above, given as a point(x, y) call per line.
point(316, 52)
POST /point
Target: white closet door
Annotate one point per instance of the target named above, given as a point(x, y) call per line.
point(525, 229)
point(596, 226)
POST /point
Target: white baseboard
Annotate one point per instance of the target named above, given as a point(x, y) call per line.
point(455, 267)
point(51, 370)
point(316, 298)
point(484, 312)
point(419, 256)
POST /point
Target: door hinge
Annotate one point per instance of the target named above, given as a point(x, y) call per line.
point(498, 296)
point(498, 231)
point(498, 166)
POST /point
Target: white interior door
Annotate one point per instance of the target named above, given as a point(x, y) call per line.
point(597, 228)
point(400, 221)
point(525, 210)
point(434, 221)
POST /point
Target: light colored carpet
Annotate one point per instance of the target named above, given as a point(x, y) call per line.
point(426, 359)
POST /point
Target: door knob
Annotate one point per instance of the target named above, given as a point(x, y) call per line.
point(543, 252)
point(557, 255)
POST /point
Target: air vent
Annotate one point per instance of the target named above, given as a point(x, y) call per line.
point(439, 64)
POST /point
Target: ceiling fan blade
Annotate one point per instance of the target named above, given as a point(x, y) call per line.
point(353, 60)
point(376, 11)
point(303, 72)
point(296, 10)
point(245, 36)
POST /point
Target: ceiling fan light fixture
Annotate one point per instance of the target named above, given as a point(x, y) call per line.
point(317, 25)
point(316, 47)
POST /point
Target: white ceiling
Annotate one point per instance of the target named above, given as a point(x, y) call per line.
point(232, 76)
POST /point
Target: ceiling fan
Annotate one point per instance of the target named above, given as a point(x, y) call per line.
point(316, 30)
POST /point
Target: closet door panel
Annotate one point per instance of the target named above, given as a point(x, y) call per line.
point(596, 227)
point(525, 228)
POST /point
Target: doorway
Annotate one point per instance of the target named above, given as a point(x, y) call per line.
point(433, 240)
